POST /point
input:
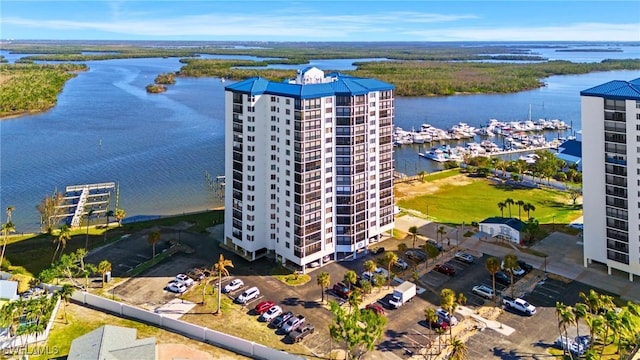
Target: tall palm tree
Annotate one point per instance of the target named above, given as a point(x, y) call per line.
point(448, 301)
point(324, 280)
point(104, 267)
point(355, 299)
point(413, 230)
point(88, 218)
point(459, 349)
point(520, 203)
point(595, 324)
point(509, 202)
point(509, 263)
point(390, 258)
point(501, 206)
point(441, 233)
point(370, 266)
point(221, 268)
point(65, 294)
point(350, 278)
point(119, 214)
point(580, 311)
point(64, 235)
point(493, 266)
point(528, 207)
point(430, 316)
point(153, 239)
point(7, 228)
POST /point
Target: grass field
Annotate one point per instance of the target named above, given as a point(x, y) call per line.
point(476, 199)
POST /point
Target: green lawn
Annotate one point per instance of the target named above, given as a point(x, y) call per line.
point(475, 201)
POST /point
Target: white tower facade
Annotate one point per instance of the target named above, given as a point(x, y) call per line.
point(308, 166)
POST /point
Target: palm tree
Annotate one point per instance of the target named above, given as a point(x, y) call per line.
point(65, 294)
point(88, 218)
point(441, 233)
point(64, 235)
point(509, 202)
point(153, 239)
point(501, 206)
point(7, 228)
point(350, 278)
point(459, 349)
point(520, 203)
point(119, 214)
point(528, 207)
point(104, 267)
point(413, 230)
point(402, 247)
point(324, 280)
point(366, 287)
point(595, 324)
point(370, 266)
point(221, 268)
point(355, 299)
point(580, 311)
point(390, 258)
point(430, 316)
point(509, 263)
point(109, 215)
point(431, 252)
point(448, 302)
point(493, 266)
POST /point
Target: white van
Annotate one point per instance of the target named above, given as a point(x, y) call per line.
point(248, 295)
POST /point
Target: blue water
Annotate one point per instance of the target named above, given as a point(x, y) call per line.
point(158, 146)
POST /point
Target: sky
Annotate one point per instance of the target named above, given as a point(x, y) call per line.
point(329, 20)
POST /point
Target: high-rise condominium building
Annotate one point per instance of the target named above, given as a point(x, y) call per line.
point(308, 166)
point(611, 175)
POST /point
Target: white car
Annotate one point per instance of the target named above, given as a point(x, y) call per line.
point(483, 290)
point(464, 257)
point(293, 323)
point(234, 285)
point(176, 287)
point(248, 295)
point(183, 278)
point(271, 314)
point(446, 317)
point(402, 264)
point(517, 271)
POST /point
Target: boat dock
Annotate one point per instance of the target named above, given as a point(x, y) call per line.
point(80, 199)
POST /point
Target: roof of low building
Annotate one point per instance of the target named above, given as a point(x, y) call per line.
point(514, 223)
point(616, 89)
point(571, 147)
point(110, 342)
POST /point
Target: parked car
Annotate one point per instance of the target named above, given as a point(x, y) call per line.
point(435, 244)
point(519, 305)
point(378, 271)
point(263, 307)
point(525, 266)
point(300, 333)
point(377, 250)
point(567, 343)
point(196, 274)
point(445, 269)
point(517, 271)
point(415, 255)
point(234, 285)
point(446, 317)
point(375, 308)
point(483, 290)
point(270, 314)
point(503, 278)
point(183, 278)
point(341, 290)
point(464, 257)
point(438, 324)
point(279, 320)
point(401, 264)
point(248, 295)
point(176, 287)
point(293, 323)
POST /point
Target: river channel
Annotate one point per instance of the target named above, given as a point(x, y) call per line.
point(158, 147)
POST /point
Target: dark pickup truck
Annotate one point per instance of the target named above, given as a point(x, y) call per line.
point(302, 332)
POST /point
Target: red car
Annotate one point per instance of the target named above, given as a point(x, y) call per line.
point(375, 307)
point(445, 269)
point(263, 307)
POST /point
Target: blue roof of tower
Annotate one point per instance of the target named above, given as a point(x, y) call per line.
point(344, 85)
point(616, 89)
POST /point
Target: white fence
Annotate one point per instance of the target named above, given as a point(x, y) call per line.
point(196, 332)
